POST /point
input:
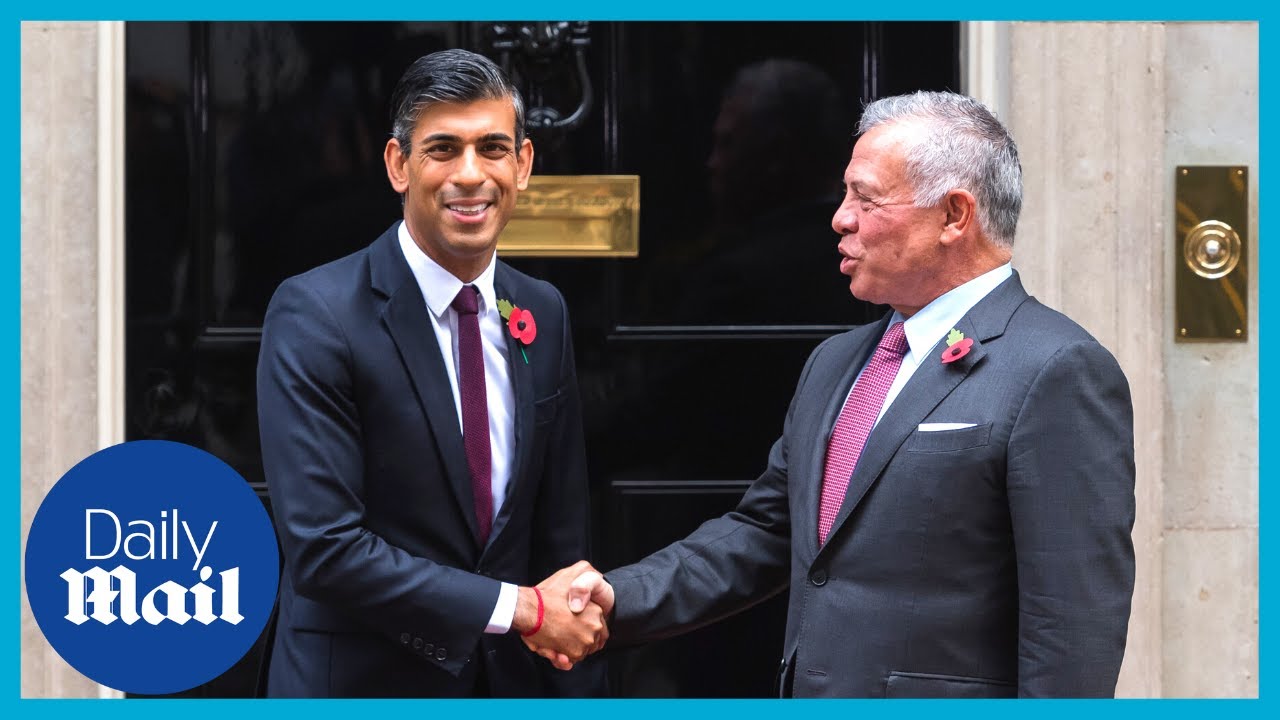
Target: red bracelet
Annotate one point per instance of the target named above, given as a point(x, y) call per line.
point(541, 611)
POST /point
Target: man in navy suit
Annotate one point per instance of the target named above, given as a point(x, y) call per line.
point(421, 429)
point(951, 501)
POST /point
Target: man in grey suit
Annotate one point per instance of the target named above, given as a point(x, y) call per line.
point(951, 501)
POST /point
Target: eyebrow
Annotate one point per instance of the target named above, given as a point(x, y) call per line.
point(858, 185)
point(446, 137)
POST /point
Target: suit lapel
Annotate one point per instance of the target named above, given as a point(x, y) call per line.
point(407, 320)
point(931, 383)
point(521, 374)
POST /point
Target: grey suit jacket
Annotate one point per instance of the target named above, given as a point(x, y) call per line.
point(990, 561)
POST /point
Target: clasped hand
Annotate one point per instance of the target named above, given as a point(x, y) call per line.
point(576, 604)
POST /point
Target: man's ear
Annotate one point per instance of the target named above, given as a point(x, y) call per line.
point(961, 215)
point(397, 170)
point(524, 164)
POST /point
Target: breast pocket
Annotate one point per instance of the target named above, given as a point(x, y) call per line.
point(545, 409)
point(938, 441)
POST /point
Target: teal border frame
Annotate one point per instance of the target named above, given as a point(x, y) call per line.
point(10, 381)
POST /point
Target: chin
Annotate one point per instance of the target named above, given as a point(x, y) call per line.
point(870, 298)
point(473, 245)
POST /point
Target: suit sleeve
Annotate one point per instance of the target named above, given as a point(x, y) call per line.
point(315, 468)
point(1071, 501)
point(727, 565)
point(561, 526)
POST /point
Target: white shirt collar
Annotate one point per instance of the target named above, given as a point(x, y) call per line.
point(935, 320)
point(439, 286)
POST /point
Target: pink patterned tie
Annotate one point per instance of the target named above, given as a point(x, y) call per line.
point(855, 422)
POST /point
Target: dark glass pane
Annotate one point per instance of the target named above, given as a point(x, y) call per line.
point(298, 115)
point(160, 231)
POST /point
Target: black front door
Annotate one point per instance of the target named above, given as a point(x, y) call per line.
point(254, 153)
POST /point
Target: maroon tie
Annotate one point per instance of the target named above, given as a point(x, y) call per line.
point(475, 405)
point(855, 422)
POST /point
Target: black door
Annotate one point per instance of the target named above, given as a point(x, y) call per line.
point(254, 153)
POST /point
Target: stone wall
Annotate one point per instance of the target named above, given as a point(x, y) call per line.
point(1103, 113)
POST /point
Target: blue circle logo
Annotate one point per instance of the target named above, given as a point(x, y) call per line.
point(151, 567)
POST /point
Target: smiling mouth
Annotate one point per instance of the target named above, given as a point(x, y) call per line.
point(474, 209)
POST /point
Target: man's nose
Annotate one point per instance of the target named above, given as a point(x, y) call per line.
point(469, 170)
point(845, 221)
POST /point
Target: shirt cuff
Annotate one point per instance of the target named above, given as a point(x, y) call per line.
point(505, 611)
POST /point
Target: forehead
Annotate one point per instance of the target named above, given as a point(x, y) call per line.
point(879, 156)
point(478, 117)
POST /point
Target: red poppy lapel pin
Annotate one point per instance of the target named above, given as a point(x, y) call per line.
point(520, 324)
point(957, 346)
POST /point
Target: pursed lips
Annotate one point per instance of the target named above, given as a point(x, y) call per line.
point(846, 260)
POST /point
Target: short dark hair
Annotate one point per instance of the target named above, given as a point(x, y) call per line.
point(449, 76)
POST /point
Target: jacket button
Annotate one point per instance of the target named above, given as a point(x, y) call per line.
point(404, 638)
point(818, 577)
point(417, 643)
point(428, 649)
point(440, 654)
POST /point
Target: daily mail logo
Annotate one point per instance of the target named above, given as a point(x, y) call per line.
point(148, 545)
point(94, 587)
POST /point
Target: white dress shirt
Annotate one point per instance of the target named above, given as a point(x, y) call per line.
point(439, 288)
point(933, 322)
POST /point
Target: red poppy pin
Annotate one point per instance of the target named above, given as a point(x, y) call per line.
point(520, 323)
point(957, 346)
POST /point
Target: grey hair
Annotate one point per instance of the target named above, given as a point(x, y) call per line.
point(449, 76)
point(967, 148)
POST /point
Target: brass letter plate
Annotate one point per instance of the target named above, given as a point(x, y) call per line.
point(1211, 252)
point(575, 216)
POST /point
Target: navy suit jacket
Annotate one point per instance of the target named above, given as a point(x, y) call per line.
point(386, 590)
point(989, 561)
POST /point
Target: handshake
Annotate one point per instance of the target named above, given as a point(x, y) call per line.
point(569, 621)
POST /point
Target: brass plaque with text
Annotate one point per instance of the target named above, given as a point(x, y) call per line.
point(575, 216)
